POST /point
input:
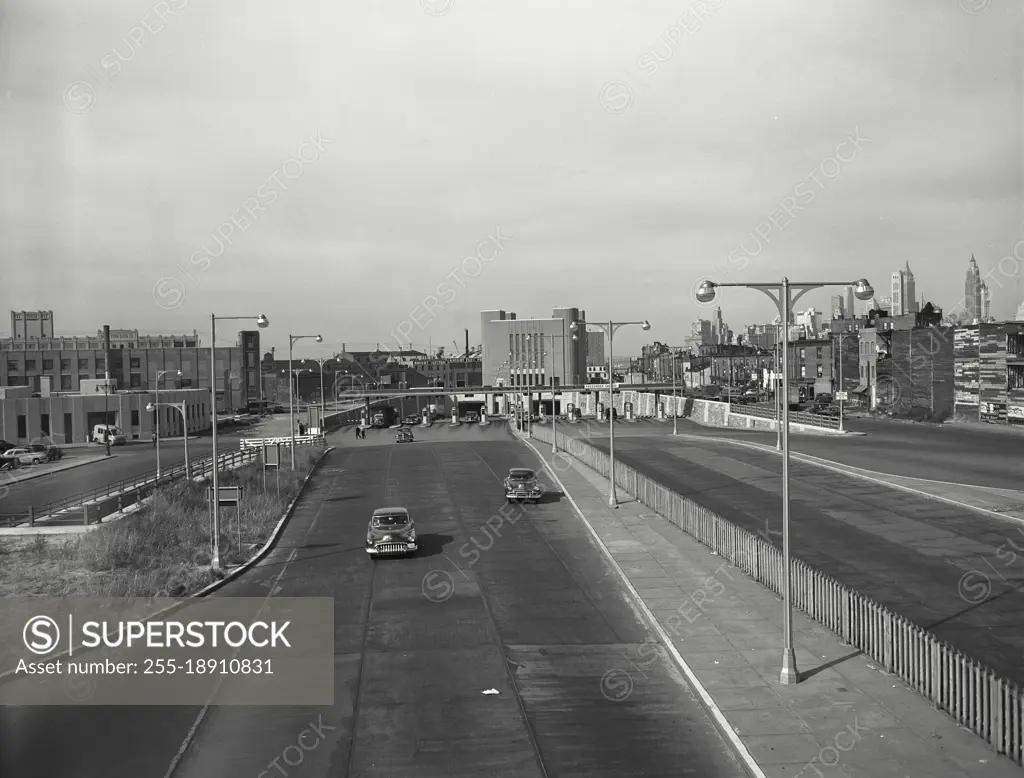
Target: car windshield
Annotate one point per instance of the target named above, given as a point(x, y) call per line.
point(521, 475)
point(393, 520)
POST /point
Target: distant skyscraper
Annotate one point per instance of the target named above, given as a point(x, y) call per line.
point(595, 349)
point(837, 306)
point(850, 310)
point(972, 292)
point(902, 292)
point(984, 302)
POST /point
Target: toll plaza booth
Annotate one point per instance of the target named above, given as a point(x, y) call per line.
point(471, 404)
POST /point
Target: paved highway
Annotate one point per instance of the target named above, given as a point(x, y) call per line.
point(947, 569)
point(534, 612)
point(939, 452)
point(127, 462)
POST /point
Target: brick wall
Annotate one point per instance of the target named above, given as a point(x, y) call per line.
point(922, 371)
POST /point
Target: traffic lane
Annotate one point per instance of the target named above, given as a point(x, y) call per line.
point(948, 570)
point(524, 605)
point(128, 462)
point(940, 453)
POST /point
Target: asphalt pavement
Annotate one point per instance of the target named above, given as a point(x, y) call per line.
point(947, 569)
point(523, 603)
point(943, 452)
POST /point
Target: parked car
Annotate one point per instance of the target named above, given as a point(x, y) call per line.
point(472, 417)
point(51, 452)
point(23, 456)
point(413, 419)
point(4, 446)
point(391, 532)
point(522, 484)
point(403, 435)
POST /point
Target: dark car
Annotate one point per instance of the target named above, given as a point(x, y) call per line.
point(522, 484)
point(403, 435)
point(52, 452)
point(4, 446)
point(391, 532)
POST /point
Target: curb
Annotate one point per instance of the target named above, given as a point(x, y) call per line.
point(274, 536)
point(42, 473)
point(856, 472)
point(719, 717)
point(230, 576)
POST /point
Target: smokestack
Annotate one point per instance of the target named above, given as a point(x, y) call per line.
point(106, 351)
point(467, 344)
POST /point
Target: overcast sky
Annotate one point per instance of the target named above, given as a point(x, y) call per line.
point(598, 154)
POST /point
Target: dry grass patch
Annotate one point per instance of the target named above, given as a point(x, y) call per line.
point(162, 549)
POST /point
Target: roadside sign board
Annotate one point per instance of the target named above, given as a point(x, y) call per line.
point(226, 495)
point(841, 396)
point(272, 455)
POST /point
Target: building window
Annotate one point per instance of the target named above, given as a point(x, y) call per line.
point(44, 424)
point(12, 366)
point(47, 364)
point(22, 427)
point(65, 383)
point(190, 344)
point(135, 363)
point(135, 418)
point(30, 364)
point(819, 352)
point(101, 364)
point(65, 364)
point(803, 353)
point(83, 364)
point(186, 382)
point(821, 372)
point(803, 371)
point(179, 344)
point(136, 381)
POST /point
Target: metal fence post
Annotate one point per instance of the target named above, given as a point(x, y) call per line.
point(31, 515)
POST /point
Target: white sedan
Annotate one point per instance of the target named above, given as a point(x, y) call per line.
point(23, 456)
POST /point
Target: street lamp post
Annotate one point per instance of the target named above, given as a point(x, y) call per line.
point(180, 407)
point(323, 407)
point(554, 447)
point(160, 375)
point(106, 414)
point(609, 329)
point(262, 322)
point(291, 393)
point(781, 295)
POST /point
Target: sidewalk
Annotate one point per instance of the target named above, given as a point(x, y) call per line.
point(846, 718)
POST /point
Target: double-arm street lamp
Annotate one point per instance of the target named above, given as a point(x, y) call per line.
point(157, 403)
point(554, 415)
point(181, 408)
point(262, 322)
point(609, 329)
point(291, 393)
point(782, 295)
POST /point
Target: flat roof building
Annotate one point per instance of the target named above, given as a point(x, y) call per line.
point(529, 352)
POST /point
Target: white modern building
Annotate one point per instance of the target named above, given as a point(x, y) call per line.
point(530, 352)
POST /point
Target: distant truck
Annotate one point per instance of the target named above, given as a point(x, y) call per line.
point(383, 418)
point(472, 417)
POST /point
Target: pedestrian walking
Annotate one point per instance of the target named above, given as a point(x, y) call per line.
point(357, 432)
point(154, 440)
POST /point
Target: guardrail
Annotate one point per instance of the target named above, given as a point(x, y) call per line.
point(980, 700)
point(257, 443)
point(795, 417)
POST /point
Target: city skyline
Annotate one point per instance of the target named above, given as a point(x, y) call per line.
point(205, 174)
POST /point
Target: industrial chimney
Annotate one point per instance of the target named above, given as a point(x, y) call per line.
point(106, 352)
point(467, 344)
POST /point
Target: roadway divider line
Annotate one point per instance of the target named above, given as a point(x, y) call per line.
point(723, 723)
point(856, 472)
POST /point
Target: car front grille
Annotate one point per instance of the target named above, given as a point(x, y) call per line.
point(391, 548)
